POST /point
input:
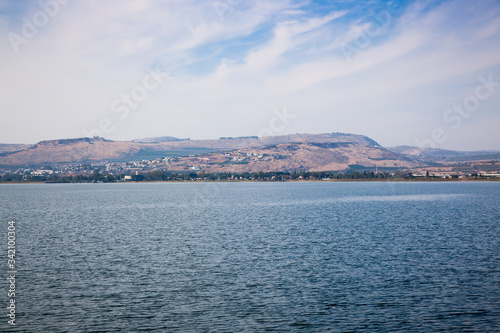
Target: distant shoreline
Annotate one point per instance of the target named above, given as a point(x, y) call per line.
point(491, 179)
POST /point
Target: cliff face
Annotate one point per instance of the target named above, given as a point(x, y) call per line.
point(9, 148)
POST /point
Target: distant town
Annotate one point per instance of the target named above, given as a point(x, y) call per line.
point(197, 168)
point(328, 156)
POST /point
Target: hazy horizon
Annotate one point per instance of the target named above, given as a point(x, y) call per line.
point(418, 73)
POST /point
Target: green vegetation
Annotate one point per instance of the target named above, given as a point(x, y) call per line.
point(159, 175)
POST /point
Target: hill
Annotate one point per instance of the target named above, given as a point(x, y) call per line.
point(68, 151)
point(329, 151)
point(304, 156)
point(9, 148)
point(443, 155)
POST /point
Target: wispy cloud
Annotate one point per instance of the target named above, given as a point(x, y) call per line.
point(226, 72)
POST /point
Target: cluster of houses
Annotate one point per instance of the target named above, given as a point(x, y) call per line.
point(210, 162)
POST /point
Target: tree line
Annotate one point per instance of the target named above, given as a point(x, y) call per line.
point(223, 176)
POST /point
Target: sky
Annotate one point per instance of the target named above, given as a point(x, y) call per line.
point(420, 73)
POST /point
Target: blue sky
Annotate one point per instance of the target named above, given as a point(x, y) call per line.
point(401, 72)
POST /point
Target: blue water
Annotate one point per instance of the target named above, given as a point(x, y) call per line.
point(254, 257)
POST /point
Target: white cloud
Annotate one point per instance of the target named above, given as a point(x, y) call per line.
point(260, 55)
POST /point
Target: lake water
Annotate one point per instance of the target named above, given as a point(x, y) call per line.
point(254, 257)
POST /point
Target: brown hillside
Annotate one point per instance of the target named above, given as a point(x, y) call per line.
point(331, 151)
point(310, 156)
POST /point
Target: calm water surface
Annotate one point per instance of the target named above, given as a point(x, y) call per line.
point(254, 257)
